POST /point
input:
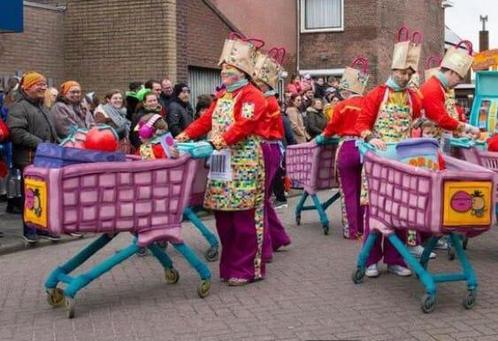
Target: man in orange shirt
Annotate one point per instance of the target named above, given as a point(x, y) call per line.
point(343, 124)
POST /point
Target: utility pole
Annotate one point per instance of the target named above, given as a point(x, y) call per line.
point(483, 34)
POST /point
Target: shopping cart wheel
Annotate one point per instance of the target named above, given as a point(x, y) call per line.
point(55, 297)
point(465, 242)
point(172, 275)
point(428, 303)
point(70, 304)
point(469, 300)
point(203, 288)
point(298, 220)
point(451, 253)
point(358, 275)
point(325, 229)
point(212, 254)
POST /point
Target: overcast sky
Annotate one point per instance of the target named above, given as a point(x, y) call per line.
point(463, 19)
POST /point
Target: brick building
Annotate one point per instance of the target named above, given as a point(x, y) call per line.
point(107, 43)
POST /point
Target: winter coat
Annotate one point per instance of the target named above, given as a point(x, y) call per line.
point(179, 115)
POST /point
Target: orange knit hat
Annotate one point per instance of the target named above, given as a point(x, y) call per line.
point(30, 79)
point(68, 85)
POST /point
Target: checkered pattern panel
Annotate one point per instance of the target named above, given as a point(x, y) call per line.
point(299, 160)
point(326, 177)
point(398, 197)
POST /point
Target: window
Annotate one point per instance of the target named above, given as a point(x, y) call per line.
point(322, 15)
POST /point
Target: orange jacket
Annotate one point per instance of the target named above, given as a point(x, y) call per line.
point(433, 101)
point(343, 122)
point(271, 126)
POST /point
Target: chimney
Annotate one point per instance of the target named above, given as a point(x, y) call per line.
point(483, 35)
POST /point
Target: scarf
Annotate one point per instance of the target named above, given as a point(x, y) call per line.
point(442, 78)
point(393, 85)
point(237, 85)
point(270, 93)
point(118, 117)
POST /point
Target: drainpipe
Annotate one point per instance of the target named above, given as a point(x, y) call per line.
point(298, 38)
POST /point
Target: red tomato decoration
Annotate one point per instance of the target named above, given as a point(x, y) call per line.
point(102, 139)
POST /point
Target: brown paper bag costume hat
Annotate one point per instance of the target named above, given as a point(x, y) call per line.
point(240, 52)
point(355, 77)
point(457, 59)
point(432, 66)
point(268, 67)
point(407, 51)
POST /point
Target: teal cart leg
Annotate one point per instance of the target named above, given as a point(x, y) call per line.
point(200, 267)
point(424, 259)
point(359, 272)
point(469, 274)
point(61, 271)
point(321, 212)
point(330, 201)
point(299, 207)
point(429, 299)
point(212, 253)
point(170, 273)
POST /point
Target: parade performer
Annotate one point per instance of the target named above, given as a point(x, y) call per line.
point(387, 116)
point(267, 70)
point(343, 124)
point(438, 97)
point(235, 188)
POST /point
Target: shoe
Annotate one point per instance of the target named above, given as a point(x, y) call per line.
point(76, 234)
point(372, 271)
point(30, 238)
point(280, 204)
point(399, 270)
point(416, 251)
point(1, 235)
point(442, 244)
point(142, 252)
point(237, 282)
point(51, 238)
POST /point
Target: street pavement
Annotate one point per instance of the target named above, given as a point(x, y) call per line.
point(307, 295)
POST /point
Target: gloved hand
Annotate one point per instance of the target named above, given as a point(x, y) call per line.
point(320, 139)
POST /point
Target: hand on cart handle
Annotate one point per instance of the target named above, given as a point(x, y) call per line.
point(182, 137)
point(378, 144)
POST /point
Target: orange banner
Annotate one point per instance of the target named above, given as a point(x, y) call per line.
point(485, 60)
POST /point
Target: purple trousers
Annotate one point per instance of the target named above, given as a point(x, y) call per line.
point(349, 169)
point(274, 235)
point(389, 253)
point(239, 245)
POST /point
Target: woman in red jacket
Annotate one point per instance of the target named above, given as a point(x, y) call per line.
point(235, 189)
point(266, 74)
point(348, 163)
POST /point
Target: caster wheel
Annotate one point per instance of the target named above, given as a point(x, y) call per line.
point(203, 288)
point(172, 275)
point(325, 229)
point(469, 300)
point(55, 297)
point(212, 254)
point(298, 220)
point(451, 253)
point(70, 304)
point(358, 276)
point(428, 303)
point(465, 242)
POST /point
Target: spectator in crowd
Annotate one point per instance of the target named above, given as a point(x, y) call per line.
point(154, 86)
point(203, 103)
point(149, 104)
point(294, 86)
point(11, 92)
point(166, 93)
point(332, 97)
point(113, 113)
point(320, 87)
point(315, 118)
point(67, 112)
point(50, 97)
point(296, 119)
point(333, 82)
point(180, 111)
point(306, 99)
point(132, 99)
point(89, 103)
point(307, 83)
point(30, 124)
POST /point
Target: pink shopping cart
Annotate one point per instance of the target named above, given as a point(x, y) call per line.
point(144, 198)
point(311, 166)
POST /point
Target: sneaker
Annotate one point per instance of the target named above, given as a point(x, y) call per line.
point(237, 282)
point(76, 234)
point(417, 251)
point(442, 244)
point(280, 204)
point(372, 271)
point(399, 270)
point(30, 238)
point(51, 238)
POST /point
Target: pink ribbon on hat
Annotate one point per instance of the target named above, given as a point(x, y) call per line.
point(362, 62)
point(258, 43)
point(278, 54)
point(467, 44)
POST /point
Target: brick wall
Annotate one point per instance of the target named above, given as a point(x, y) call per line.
point(201, 34)
point(109, 43)
point(39, 47)
point(369, 29)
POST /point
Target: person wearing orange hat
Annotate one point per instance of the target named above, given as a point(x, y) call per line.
point(30, 124)
point(67, 112)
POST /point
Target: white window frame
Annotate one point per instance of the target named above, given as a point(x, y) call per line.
point(302, 14)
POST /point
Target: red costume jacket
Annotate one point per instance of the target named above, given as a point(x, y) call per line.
point(433, 101)
point(271, 126)
point(242, 126)
point(343, 121)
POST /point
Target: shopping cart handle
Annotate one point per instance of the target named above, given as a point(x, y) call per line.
point(364, 147)
point(462, 142)
point(198, 150)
